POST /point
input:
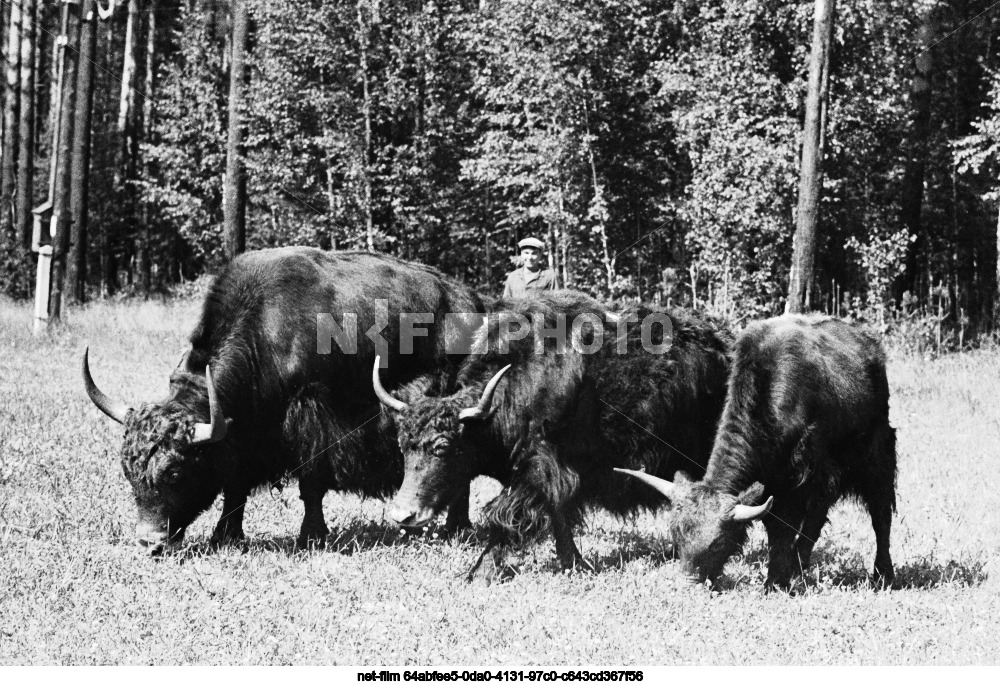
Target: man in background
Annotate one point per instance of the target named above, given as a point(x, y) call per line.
point(531, 277)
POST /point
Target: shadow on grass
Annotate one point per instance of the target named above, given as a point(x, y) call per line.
point(834, 566)
point(355, 537)
point(844, 567)
point(631, 547)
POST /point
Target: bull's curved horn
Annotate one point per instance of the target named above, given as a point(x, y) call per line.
point(206, 433)
point(481, 409)
point(116, 409)
point(383, 395)
point(744, 512)
point(664, 487)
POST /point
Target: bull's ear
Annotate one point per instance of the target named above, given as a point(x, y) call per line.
point(746, 508)
point(682, 477)
point(752, 495)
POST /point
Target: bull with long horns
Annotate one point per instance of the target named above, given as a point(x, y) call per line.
point(258, 399)
point(551, 418)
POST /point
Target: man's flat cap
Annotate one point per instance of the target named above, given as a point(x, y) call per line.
point(532, 242)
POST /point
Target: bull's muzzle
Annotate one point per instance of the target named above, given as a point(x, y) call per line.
point(155, 541)
point(407, 517)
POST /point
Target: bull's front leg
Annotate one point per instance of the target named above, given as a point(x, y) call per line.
point(314, 530)
point(492, 564)
point(782, 559)
point(458, 513)
point(229, 528)
point(566, 550)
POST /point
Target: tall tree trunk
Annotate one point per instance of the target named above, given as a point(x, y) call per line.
point(364, 36)
point(26, 130)
point(41, 44)
point(996, 291)
point(3, 42)
point(125, 174)
point(60, 203)
point(126, 103)
point(598, 204)
point(145, 251)
point(364, 30)
point(235, 191)
point(912, 195)
point(108, 230)
point(80, 164)
point(811, 174)
point(8, 167)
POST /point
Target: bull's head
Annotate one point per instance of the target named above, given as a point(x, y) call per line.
point(433, 437)
point(708, 526)
point(168, 458)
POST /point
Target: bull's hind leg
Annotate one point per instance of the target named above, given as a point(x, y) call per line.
point(881, 513)
point(879, 492)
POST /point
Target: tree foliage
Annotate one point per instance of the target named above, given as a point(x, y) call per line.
point(637, 138)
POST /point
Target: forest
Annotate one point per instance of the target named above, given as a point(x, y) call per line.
point(658, 147)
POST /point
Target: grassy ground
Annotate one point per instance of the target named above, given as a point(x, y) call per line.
point(75, 590)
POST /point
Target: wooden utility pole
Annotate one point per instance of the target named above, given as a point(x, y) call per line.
point(80, 163)
point(235, 190)
point(811, 173)
point(42, 240)
point(61, 220)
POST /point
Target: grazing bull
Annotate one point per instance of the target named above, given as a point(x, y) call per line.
point(268, 391)
point(806, 423)
point(550, 424)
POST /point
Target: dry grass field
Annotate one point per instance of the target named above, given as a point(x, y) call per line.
point(74, 589)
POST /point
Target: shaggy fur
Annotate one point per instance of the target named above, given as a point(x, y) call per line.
point(560, 422)
point(295, 412)
point(807, 422)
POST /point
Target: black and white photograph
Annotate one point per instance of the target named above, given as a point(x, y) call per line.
point(499, 340)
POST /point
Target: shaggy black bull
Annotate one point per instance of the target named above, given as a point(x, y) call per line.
point(550, 423)
point(806, 423)
point(257, 398)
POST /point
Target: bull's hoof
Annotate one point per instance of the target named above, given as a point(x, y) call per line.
point(226, 536)
point(882, 579)
point(578, 565)
point(488, 573)
point(454, 527)
point(311, 541)
point(778, 585)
